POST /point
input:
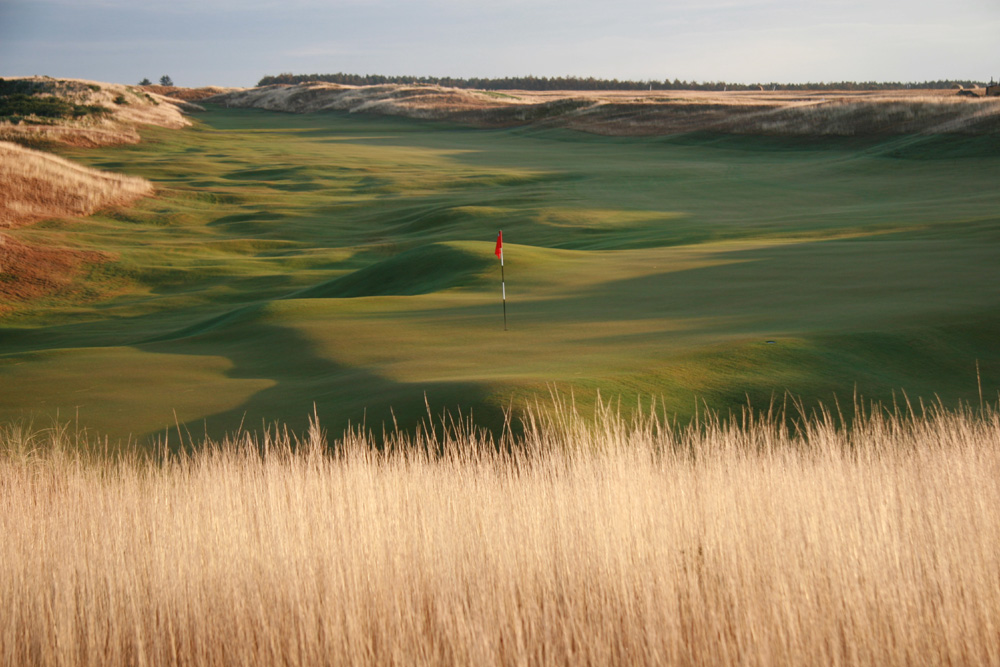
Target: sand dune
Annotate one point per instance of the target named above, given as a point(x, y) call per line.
point(187, 94)
point(780, 113)
point(126, 109)
point(36, 185)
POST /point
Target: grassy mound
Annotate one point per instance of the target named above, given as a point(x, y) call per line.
point(421, 270)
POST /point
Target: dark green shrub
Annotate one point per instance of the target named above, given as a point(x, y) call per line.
point(18, 106)
point(16, 86)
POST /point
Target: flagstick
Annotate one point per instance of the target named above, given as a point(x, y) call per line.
point(503, 286)
point(503, 283)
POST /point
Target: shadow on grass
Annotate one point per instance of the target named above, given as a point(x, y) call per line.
point(343, 396)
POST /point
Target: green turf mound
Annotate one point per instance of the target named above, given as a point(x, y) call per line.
point(422, 270)
point(232, 318)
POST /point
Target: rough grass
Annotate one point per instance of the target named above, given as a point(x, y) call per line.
point(586, 542)
point(35, 185)
point(187, 94)
point(29, 272)
point(42, 111)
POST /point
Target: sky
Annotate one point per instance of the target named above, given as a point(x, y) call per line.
point(236, 42)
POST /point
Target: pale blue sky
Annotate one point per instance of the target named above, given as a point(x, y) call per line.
point(235, 42)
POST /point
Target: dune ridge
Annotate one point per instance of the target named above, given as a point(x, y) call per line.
point(780, 113)
point(123, 110)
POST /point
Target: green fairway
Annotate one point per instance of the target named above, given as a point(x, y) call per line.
point(347, 261)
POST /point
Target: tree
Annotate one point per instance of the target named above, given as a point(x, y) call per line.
point(166, 81)
point(145, 82)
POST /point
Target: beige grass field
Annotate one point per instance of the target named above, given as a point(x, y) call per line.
point(616, 543)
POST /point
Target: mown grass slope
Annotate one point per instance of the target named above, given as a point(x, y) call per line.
point(347, 261)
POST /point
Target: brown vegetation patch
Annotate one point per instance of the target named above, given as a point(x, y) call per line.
point(41, 136)
point(416, 101)
point(188, 94)
point(30, 271)
point(36, 185)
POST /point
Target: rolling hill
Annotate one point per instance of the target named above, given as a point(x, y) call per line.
point(653, 113)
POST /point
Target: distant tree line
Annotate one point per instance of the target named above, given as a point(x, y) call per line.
point(164, 81)
point(591, 83)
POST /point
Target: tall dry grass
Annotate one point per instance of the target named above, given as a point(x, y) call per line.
point(36, 185)
point(585, 542)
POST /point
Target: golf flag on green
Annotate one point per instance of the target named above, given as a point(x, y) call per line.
point(503, 285)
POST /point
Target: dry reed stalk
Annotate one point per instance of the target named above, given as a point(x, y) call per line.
point(588, 542)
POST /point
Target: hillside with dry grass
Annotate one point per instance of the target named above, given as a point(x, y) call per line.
point(587, 542)
point(39, 185)
point(89, 113)
point(39, 113)
point(187, 94)
point(781, 113)
point(36, 186)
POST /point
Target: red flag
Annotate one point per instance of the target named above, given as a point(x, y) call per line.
point(499, 251)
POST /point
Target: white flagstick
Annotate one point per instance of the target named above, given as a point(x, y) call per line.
point(503, 283)
point(503, 287)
